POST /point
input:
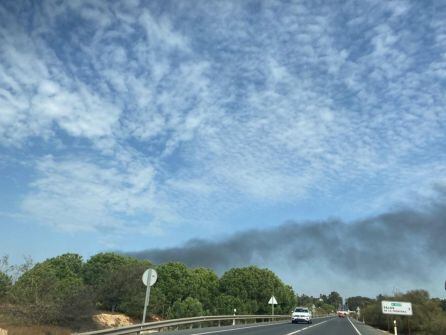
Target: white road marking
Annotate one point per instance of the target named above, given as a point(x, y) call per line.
point(256, 326)
point(316, 324)
point(359, 333)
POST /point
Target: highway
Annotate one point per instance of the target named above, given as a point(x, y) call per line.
point(323, 326)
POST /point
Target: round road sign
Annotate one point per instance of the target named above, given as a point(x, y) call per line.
point(150, 276)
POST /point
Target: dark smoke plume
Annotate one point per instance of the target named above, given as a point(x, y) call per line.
point(405, 242)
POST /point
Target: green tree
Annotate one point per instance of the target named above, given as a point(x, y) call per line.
point(225, 305)
point(67, 265)
point(159, 305)
point(97, 268)
point(428, 317)
point(175, 281)
point(205, 288)
point(5, 285)
point(53, 291)
point(106, 274)
point(323, 297)
point(188, 307)
point(443, 304)
point(122, 289)
point(254, 287)
point(358, 301)
point(437, 325)
point(323, 309)
point(305, 300)
point(334, 299)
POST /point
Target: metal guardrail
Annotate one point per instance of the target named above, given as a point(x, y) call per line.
point(157, 325)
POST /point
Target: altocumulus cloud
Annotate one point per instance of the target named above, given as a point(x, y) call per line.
point(140, 115)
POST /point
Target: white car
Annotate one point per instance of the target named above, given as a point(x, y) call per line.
point(301, 314)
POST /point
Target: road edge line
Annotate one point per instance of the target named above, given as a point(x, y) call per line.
point(356, 329)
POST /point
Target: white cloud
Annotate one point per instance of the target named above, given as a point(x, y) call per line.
point(184, 119)
point(81, 195)
point(37, 95)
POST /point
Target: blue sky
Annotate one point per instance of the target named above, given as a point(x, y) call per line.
point(132, 125)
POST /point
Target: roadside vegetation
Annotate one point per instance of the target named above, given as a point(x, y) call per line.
point(66, 291)
point(429, 314)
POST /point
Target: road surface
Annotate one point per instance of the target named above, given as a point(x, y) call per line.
point(323, 326)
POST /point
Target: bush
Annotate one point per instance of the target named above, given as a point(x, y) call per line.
point(225, 305)
point(5, 285)
point(116, 281)
point(122, 289)
point(254, 287)
point(188, 307)
point(52, 292)
point(428, 316)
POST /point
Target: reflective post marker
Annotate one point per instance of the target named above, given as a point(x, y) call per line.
point(394, 327)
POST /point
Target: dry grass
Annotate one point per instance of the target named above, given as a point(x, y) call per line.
point(108, 320)
point(17, 326)
point(37, 330)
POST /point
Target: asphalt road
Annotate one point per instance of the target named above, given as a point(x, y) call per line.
point(323, 326)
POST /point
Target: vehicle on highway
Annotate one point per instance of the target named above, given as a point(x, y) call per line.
point(301, 314)
point(342, 314)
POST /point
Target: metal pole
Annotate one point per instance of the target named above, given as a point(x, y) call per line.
point(394, 327)
point(273, 302)
point(146, 303)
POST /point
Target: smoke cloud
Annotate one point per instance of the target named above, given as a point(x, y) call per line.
point(408, 243)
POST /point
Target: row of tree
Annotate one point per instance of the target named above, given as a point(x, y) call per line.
point(429, 314)
point(63, 289)
point(325, 304)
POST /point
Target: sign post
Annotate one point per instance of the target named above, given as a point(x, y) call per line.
point(396, 308)
point(272, 301)
point(148, 278)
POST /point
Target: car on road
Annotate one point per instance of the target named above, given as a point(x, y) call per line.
point(301, 314)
